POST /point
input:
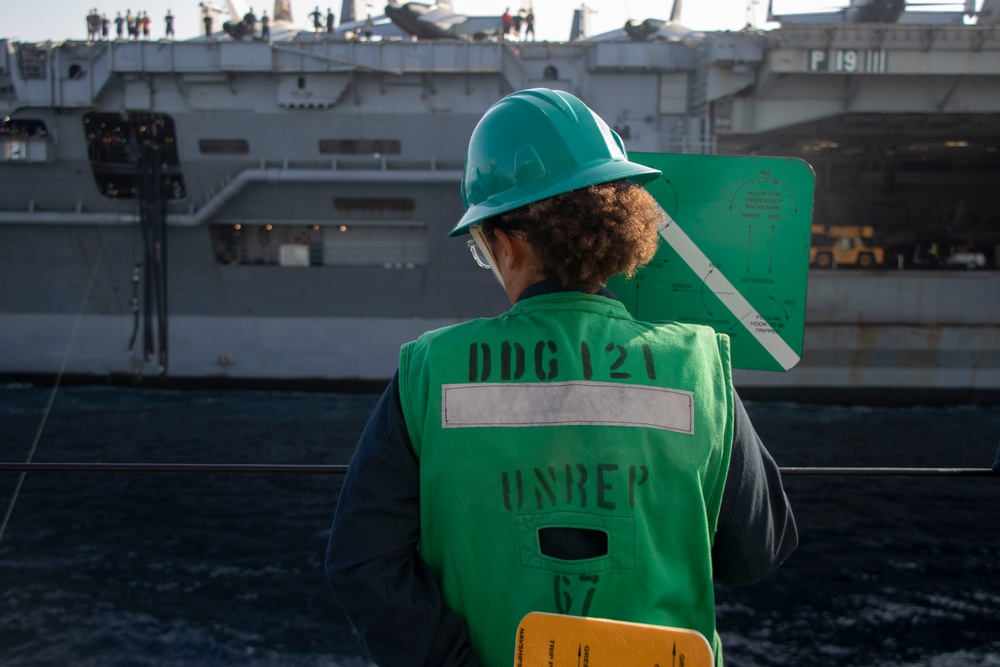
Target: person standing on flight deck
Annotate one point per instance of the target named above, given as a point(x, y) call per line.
point(317, 21)
point(250, 23)
point(265, 27)
point(562, 457)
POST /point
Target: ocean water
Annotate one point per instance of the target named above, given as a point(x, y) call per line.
point(205, 569)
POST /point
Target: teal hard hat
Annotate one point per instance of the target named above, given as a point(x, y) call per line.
point(535, 144)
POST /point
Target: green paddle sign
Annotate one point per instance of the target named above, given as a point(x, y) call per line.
point(735, 255)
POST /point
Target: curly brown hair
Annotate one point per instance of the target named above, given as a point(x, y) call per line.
point(584, 237)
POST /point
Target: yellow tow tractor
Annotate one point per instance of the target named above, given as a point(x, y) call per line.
point(836, 245)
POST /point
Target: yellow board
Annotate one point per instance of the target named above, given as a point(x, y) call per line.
point(553, 640)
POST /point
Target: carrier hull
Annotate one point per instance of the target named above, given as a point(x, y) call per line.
point(252, 212)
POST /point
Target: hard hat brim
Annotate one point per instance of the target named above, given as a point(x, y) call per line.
point(552, 185)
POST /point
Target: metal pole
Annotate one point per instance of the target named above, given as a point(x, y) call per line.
point(173, 467)
point(890, 472)
point(341, 468)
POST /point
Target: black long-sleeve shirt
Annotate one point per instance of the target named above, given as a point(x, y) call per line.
point(392, 598)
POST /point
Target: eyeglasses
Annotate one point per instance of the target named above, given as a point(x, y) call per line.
point(479, 246)
point(477, 254)
point(483, 254)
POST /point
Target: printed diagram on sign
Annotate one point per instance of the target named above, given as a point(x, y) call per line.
point(761, 202)
point(735, 255)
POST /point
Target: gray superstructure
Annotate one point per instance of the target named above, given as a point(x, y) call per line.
point(278, 211)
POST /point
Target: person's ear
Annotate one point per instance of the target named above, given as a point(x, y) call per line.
point(511, 252)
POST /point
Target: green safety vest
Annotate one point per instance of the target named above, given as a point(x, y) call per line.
point(567, 413)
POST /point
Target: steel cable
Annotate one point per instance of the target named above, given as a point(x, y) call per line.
point(55, 386)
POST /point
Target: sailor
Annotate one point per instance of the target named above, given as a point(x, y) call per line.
point(169, 20)
point(562, 457)
point(329, 22)
point(93, 25)
point(265, 27)
point(207, 19)
point(250, 22)
point(119, 25)
point(317, 19)
point(529, 25)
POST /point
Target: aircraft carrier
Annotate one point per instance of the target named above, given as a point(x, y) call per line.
point(238, 211)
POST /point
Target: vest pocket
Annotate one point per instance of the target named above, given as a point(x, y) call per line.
point(575, 542)
point(572, 543)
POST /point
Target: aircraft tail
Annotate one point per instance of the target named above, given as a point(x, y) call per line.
point(989, 13)
point(578, 30)
point(347, 12)
point(237, 9)
point(675, 12)
point(352, 11)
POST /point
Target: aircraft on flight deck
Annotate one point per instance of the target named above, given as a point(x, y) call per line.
point(281, 25)
point(652, 30)
point(439, 21)
point(896, 11)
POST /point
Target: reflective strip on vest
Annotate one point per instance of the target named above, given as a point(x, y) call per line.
point(566, 403)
